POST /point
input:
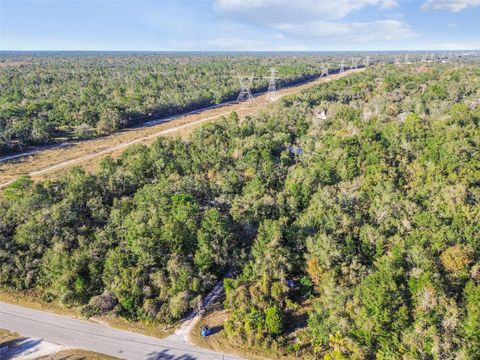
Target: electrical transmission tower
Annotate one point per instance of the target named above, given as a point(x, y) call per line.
point(354, 63)
point(342, 67)
point(272, 86)
point(366, 61)
point(245, 85)
point(325, 70)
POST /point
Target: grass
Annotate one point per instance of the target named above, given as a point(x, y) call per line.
point(76, 354)
point(32, 299)
point(49, 164)
point(8, 337)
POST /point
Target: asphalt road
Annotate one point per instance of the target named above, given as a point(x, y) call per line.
point(89, 336)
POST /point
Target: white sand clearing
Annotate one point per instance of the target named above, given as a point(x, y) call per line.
point(32, 348)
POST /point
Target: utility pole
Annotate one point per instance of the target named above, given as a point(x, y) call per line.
point(245, 85)
point(272, 86)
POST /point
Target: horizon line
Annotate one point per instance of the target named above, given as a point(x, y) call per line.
point(239, 51)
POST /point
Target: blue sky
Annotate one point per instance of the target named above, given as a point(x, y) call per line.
point(239, 24)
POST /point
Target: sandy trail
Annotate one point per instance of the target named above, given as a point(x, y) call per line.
point(48, 163)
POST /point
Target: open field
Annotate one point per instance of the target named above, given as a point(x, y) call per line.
point(47, 164)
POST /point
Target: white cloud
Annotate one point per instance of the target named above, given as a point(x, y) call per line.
point(384, 30)
point(315, 20)
point(450, 5)
point(268, 11)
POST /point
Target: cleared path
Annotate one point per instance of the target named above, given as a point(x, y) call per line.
point(85, 335)
point(119, 147)
point(40, 163)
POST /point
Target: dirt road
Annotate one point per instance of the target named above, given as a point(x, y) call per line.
point(48, 163)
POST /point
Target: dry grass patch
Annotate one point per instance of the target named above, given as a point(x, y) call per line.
point(76, 354)
point(8, 337)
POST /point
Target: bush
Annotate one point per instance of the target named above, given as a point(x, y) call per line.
point(83, 131)
point(90, 310)
point(273, 320)
point(105, 302)
point(179, 304)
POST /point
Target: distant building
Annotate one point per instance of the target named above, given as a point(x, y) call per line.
point(473, 104)
point(321, 115)
point(295, 150)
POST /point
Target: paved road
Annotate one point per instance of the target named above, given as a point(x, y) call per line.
point(86, 335)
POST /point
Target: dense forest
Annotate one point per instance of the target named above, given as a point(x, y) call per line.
point(47, 97)
point(351, 235)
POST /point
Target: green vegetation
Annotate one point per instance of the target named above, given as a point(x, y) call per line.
point(68, 95)
point(369, 218)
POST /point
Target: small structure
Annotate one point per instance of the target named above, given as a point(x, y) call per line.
point(402, 117)
point(291, 283)
point(473, 104)
point(295, 150)
point(205, 331)
point(321, 115)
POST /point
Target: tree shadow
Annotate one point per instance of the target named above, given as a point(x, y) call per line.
point(296, 321)
point(18, 346)
point(164, 355)
point(215, 329)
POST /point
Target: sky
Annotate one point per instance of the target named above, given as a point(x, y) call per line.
point(239, 25)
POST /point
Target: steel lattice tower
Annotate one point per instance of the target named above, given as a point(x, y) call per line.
point(366, 61)
point(354, 63)
point(325, 71)
point(272, 86)
point(245, 84)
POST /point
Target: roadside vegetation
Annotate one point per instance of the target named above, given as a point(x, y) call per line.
point(347, 216)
